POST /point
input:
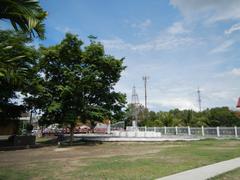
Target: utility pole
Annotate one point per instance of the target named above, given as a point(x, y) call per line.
point(145, 79)
point(199, 99)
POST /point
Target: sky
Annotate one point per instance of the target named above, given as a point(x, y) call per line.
point(181, 45)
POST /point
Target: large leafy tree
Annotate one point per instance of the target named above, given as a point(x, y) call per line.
point(24, 15)
point(222, 116)
point(17, 59)
point(78, 83)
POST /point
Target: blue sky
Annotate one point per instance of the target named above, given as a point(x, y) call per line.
point(180, 45)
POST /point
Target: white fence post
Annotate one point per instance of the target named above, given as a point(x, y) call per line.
point(109, 127)
point(235, 129)
point(154, 129)
point(176, 129)
point(218, 132)
point(165, 130)
point(203, 133)
point(189, 131)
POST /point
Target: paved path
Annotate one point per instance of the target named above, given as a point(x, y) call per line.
point(205, 172)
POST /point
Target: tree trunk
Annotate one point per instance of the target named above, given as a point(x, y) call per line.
point(42, 131)
point(92, 126)
point(71, 134)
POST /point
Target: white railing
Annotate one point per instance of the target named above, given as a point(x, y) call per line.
point(190, 131)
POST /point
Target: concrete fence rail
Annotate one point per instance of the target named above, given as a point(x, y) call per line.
point(177, 131)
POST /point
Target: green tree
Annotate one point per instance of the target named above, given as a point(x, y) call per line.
point(222, 116)
point(25, 15)
point(167, 119)
point(16, 61)
point(219, 116)
point(187, 117)
point(134, 111)
point(78, 83)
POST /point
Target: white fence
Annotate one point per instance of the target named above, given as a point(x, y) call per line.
point(138, 134)
point(190, 131)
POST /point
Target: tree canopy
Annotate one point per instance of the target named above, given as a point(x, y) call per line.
point(78, 83)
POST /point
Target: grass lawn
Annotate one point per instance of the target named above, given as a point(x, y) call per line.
point(114, 160)
point(231, 175)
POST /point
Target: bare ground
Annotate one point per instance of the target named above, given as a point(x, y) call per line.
point(52, 153)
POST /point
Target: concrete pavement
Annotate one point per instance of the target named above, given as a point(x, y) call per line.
point(205, 172)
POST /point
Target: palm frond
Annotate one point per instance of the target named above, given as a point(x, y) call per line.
point(25, 15)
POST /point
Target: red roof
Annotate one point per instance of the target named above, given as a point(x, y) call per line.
point(238, 103)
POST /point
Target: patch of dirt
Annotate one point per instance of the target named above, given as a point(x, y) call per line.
point(47, 154)
point(62, 149)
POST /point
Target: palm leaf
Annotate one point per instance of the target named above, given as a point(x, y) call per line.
point(25, 15)
point(15, 58)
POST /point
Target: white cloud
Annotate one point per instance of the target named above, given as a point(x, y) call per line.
point(228, 74)
point(116, 43)
point(222, 47)
point(66, 29)
point(142, 25)
point(171, 38)
point(177, 28)
point(220, 94)
point(156, 44)
point(236, 71)
point(212, 10)
point(180, 103)
point(235, 27)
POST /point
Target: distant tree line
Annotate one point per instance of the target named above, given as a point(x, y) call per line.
point(218, 116)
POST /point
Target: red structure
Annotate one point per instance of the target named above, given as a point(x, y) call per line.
point(238, 103)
